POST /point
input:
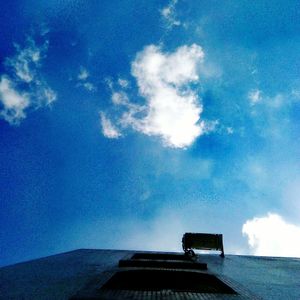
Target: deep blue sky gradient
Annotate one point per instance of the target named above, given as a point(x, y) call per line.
point(63, 185)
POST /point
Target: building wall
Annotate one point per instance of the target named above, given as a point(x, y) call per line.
point(63, 275)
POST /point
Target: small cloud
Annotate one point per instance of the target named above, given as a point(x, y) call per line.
point(119, 98)
point(108, 129)
point(14, 104)
point(145, 196)
point(254, 96)
point(277, 101)
point(44, 29)
point(89, 86)
point(229, 130)
point(271, 235)
point(23, 86)
point(109, 82)
point(83, 74)
point(27, 60)
point(169, 14)
point(45, 95)
point(123, 83)
point(210, 126)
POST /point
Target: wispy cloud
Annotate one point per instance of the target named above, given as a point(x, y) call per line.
point(123, 83)
point(271, 235)
point(273, 102)
point(119, 98)
point(14, 103)
point(254, 96)
point(23, 86)
point(83, 81)
point(169, 14)
point(172, 108)
point(271, 114)
point(108, 129)
point(83, 74)
point(27, 60)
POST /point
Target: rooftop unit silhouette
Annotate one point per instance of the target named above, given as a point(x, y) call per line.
point(121, 274)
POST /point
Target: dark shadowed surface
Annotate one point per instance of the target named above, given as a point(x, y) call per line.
point(61, 276)
point(143, 280)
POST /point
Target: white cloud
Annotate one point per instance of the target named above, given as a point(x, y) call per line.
point(44, 94)
point(27, 60)
point(229, 130)
point(271, 235)
point(254, 96)
point(119, 98)
point(160, 68)
point(108, 129)
point(83, 74)
point(82, 78)
point(25, 86)
point(123, 83)
point(169, 14)
point(14, 103)
point(173, 111)
point(89, 86)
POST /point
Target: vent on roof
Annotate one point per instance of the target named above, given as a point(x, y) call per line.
point(163, 256)
point(177, 281)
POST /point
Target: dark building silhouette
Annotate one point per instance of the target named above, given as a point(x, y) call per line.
point(117, 274)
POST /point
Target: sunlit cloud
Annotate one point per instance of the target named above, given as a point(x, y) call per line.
point(271, 235)
point(172, 108)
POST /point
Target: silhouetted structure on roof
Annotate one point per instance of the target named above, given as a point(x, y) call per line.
point(202, 241)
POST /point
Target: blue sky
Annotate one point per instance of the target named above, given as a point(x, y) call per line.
point(124, 124)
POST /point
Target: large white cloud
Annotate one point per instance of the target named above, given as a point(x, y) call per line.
point(271, 235)
point(172, 109)
point(23, 86)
